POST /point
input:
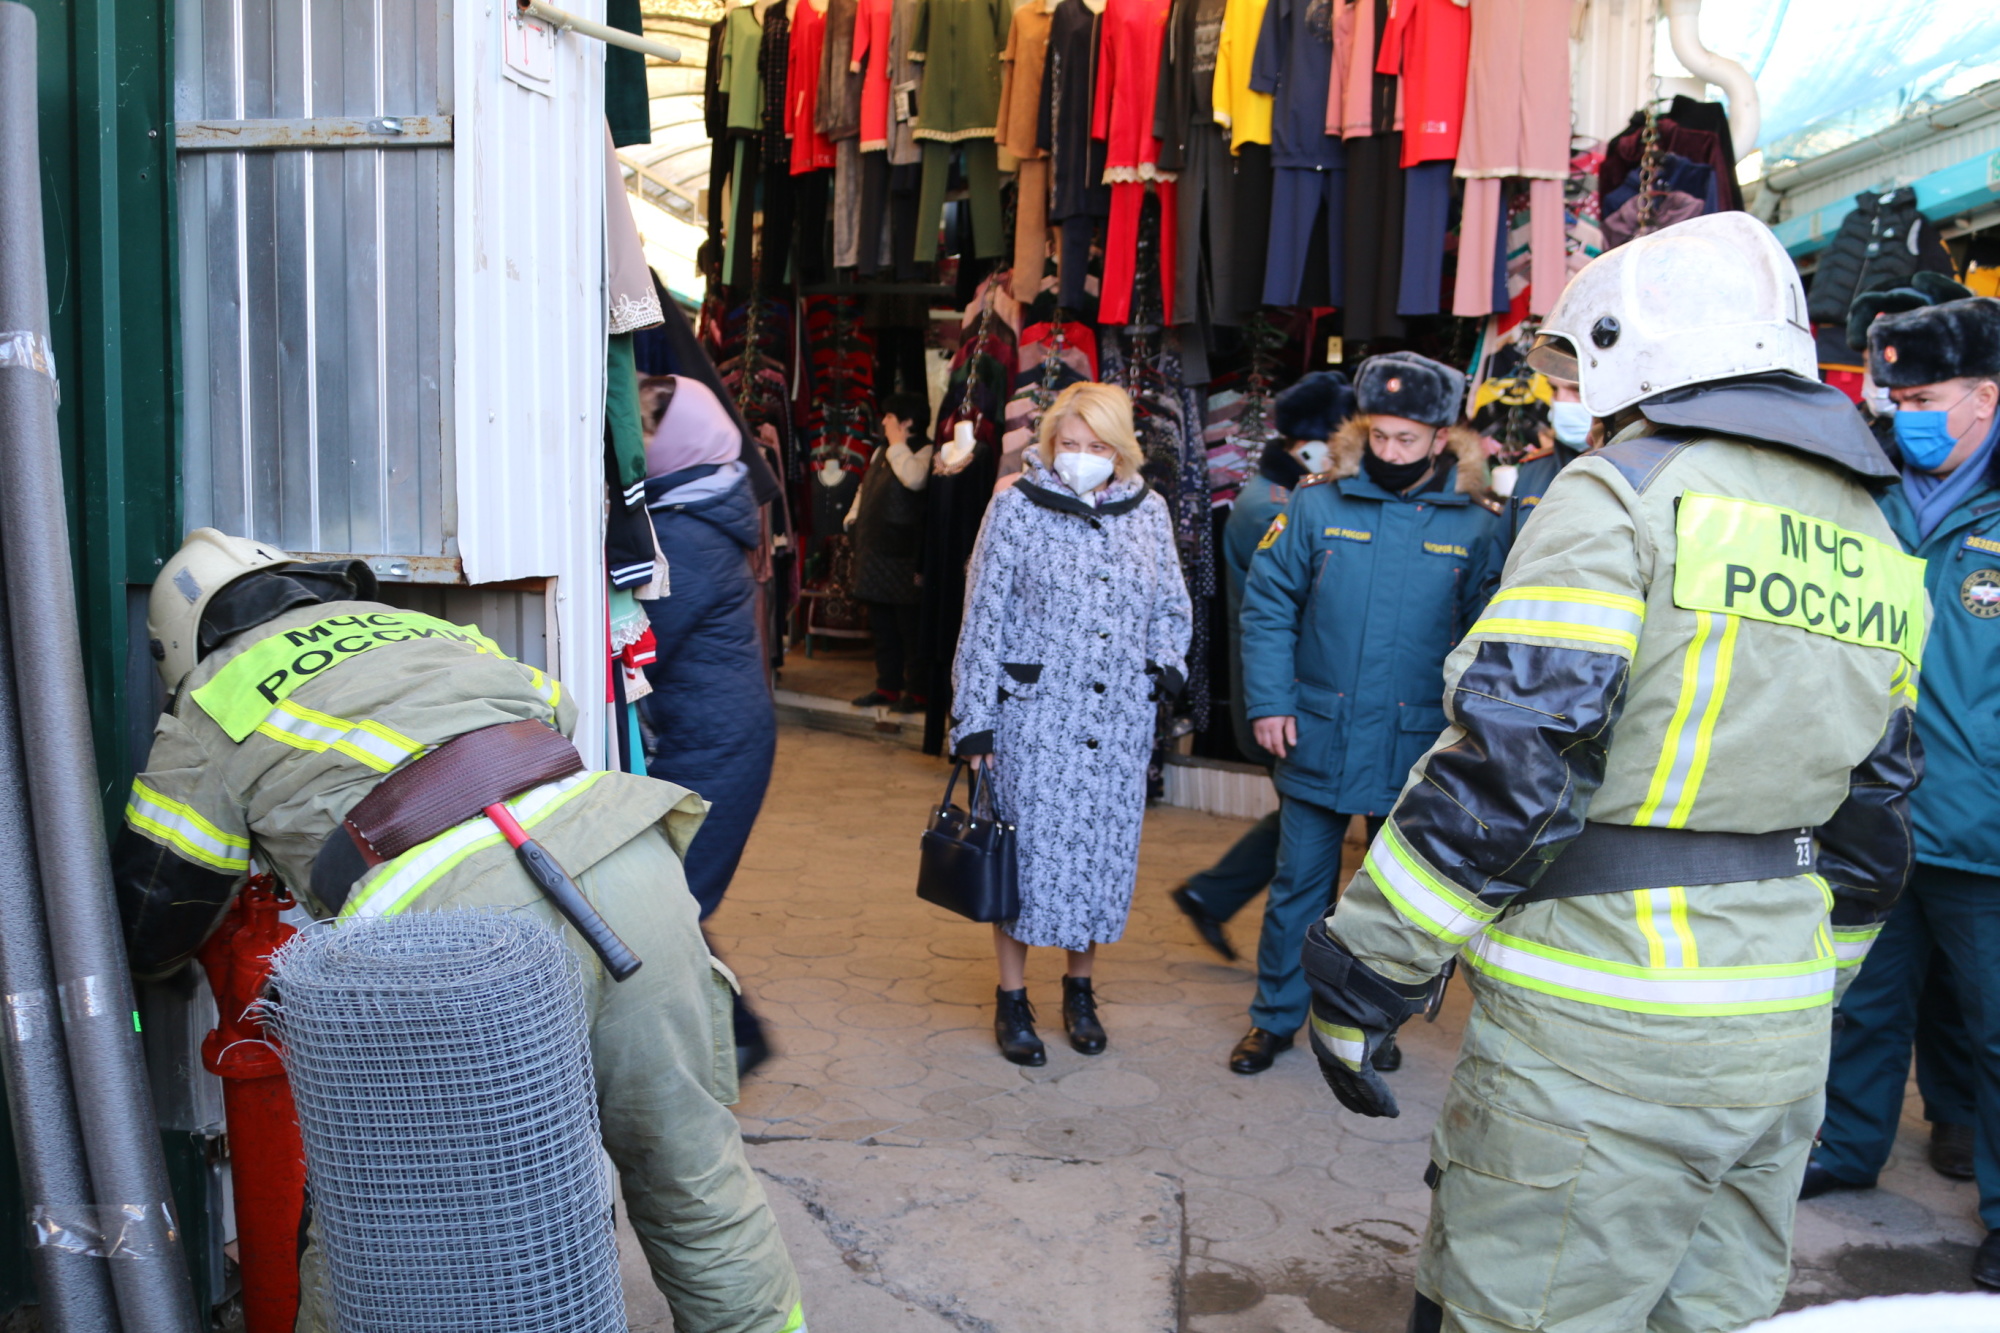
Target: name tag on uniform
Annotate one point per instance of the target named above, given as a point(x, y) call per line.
point(1986, 544)
point(1766, 563)
point(1530, 501)
point(1348, 534)
point(1446, 548)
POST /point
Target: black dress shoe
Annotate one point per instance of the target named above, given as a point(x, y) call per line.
point(1951, 1150)
point(1086, 1034)
point(1254, 1054)
point(908, 703)
point(1014, 1028)
point(1820, 1181)
point(874, 699)
point(1388, 1057)
point(1206, 926)
point(753, 1048)
point(1986, 1262)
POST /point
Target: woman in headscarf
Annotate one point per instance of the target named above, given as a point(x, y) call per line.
point(710, 708)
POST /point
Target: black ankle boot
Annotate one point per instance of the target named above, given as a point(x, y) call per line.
point(1086, 1034)
point(1014, 1028)
point(1388, 1057)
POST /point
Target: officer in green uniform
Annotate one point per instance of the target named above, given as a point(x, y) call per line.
point(291, 695)
point(1666, 819)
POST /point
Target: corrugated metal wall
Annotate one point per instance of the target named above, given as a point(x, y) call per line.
point(529, 289)
point(316, 285)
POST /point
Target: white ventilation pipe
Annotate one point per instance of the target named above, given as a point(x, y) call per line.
point(1746, 119)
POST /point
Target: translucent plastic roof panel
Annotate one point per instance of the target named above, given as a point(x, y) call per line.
point(1818, 59)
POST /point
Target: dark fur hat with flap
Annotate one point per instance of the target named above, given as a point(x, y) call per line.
point(1403, 384)
point(1315, 407)
point(1936, 343)
point(1922, 289)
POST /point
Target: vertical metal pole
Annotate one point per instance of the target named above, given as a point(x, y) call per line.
point(121, 1136)
point(74, 1288)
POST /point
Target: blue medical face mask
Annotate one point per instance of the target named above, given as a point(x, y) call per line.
point(1925, 437)
point(1571, 423)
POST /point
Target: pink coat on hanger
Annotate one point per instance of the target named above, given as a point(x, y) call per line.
point(1517, 114)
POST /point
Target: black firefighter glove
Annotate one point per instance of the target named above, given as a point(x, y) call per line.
point(1354, 1011)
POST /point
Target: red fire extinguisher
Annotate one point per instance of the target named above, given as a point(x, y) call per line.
point(267, 1159)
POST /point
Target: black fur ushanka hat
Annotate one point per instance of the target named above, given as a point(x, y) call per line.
point(1315, 407)
point(1403, 384)
point(1936, 343)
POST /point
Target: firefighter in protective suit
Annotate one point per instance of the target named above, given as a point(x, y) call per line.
point(292, 696)
point(1668, 817)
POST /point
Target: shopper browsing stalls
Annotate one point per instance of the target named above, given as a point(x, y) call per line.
point(886, 525)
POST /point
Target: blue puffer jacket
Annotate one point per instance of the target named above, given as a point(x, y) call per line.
point(710, 706)
point(1262, 498)
point(1957, 809)
point(1354, 601)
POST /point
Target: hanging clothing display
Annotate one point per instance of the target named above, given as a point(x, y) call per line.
point(1294, 63)
point(1197, 200)
point(1022, 65)
point(1078, 195)
point(1239, 108)
point(811, 149)
point(1517, 122)
point(1196, 149)
point(1128, 72)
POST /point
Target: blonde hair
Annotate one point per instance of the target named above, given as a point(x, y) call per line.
point(1106, 411)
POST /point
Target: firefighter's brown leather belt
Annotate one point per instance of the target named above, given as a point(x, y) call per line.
point(1618, 858)
point(439, 791)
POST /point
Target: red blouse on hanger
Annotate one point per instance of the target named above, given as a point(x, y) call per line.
point(871, 62)
point(811, 150)
point(1128, 77)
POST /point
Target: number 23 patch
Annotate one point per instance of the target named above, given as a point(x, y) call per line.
point(1272, 533)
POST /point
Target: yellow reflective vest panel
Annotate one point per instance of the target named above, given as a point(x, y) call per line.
point(273, 738)
point(1770, 626)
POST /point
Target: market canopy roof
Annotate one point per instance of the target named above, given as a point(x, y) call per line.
point(1818, 61)
point(668, 176)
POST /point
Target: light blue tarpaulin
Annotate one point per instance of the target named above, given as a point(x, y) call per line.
point(1818, 58)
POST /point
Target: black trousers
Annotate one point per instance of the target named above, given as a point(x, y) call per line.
point(899, 663)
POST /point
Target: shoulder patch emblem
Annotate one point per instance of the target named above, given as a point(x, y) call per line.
point(1980, 593)
point(1272, 533)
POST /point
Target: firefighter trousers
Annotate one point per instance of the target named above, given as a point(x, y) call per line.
point(665, 1059)
point(1566, 1207)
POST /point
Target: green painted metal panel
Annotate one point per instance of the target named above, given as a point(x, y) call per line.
point(107, 199)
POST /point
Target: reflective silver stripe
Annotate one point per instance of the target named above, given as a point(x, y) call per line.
point(380, 748)
point(1692, 726)
point(1350, 1049)
point(1851, 946)
point(1614, 618)
point(1705, 990)
point(185, 831)
point(399, 883)
point(1417, 897)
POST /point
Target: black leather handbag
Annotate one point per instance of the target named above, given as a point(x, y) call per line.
point(968, 864)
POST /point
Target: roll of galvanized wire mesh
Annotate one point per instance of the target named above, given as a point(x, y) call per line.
point(441, 1066)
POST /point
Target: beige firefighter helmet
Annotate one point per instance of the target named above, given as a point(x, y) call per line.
point(1707, 299)
point(207, 562)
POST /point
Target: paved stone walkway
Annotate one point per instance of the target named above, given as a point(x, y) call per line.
point(892, 1135)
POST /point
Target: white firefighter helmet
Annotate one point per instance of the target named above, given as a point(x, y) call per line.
point(1706, 299)
point(207, 562)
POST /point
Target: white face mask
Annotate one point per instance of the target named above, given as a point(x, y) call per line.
point(1571, 422)
point(1313, 455)
point(1083, 473)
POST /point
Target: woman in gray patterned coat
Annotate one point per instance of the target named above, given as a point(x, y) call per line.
point(1076, 621)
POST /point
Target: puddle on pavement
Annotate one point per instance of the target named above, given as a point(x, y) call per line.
point(1363, 1285)
point(1887, 1270)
